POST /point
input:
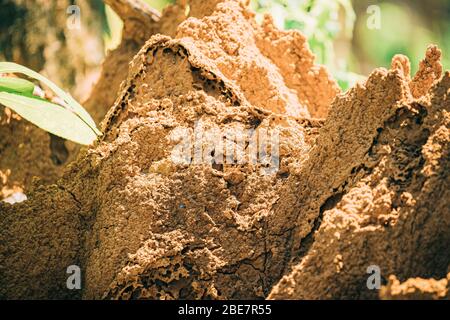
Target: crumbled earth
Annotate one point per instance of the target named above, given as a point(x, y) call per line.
point(23, 143)
point(29, 155)
point(365, 185)
point(389, 205)
point(416, 289)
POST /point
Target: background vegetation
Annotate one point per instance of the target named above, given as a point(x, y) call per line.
point(338, 32)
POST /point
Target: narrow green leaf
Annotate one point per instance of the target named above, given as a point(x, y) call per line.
point(50, 117)
point(71, 103)
point(16, 85)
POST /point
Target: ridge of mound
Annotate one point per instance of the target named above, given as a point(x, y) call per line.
point(390, 210)
point(273, 69)
point(416, 289)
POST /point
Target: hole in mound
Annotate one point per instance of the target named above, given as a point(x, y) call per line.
point(59, 152)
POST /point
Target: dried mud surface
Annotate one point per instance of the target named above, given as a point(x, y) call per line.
point(367, 184)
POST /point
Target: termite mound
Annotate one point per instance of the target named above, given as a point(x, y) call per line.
point(388, 206)
point(125, 200)
point(366, 186)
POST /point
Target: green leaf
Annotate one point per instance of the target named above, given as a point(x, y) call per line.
point(71, 103)
point(16, 85)
point(347, 80)
point(50, 117)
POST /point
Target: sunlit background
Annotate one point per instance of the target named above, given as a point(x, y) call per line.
point(352, 37)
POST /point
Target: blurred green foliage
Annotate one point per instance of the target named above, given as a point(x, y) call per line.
point(159, 4)
point(405, 29)
point(112, 34)
point(317, 19)
point(331, 25)
point(322, 21)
